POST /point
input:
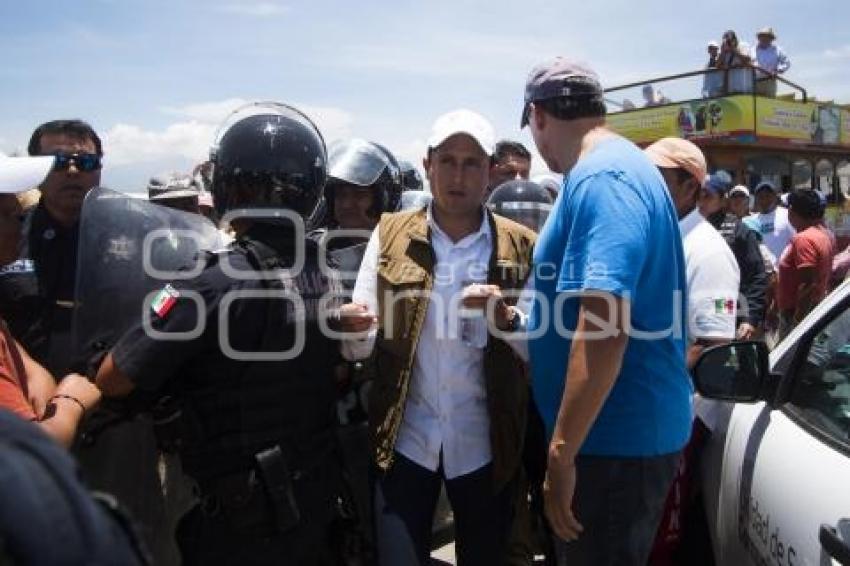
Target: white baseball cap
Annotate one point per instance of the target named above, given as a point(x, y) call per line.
point(739, 190)
point(19, 174)
point(464, 122)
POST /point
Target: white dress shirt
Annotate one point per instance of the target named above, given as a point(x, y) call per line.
point(772, 59)
point(446, 408)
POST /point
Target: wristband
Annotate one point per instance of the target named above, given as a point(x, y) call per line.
point(74, 399)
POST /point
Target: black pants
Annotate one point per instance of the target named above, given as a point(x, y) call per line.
point(619, 502)
point(210, 541)
point(405, 500)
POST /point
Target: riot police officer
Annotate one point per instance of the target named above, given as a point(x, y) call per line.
point(363, 181)
point(411, 179)
point(363, 178)
point(522, 201)
point(414, 199)
point(241, 349)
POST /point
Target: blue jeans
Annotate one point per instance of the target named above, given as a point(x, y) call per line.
point(619, 501)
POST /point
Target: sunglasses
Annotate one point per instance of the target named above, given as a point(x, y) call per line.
point(86, 162)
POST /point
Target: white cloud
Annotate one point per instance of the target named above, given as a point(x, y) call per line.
point(126, 144)
point(254, 9)
point(334, 123)
point(190, 137)
point(458, 53)
point(842, 52)
point(206, 111)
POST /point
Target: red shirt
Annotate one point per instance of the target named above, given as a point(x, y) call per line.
point(13, 377)
point(813, 247)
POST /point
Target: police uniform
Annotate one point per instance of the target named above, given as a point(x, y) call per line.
point(37, 291)
point(256, 436)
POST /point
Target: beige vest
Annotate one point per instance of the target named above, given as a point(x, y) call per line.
point(406, 270)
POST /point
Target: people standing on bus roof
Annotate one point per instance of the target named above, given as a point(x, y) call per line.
point(712, 81)
point(653, 96)
point(735, 58)
point(770, 60)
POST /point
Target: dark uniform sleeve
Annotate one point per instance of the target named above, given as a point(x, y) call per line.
point(150, 359)
point(753, 276)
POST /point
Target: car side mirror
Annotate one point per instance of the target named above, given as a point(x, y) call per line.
point(736, 372)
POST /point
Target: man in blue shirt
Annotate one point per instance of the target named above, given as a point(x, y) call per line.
point(606, 332)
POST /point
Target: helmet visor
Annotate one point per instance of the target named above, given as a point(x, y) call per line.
point(532, 215)
point(357, 162)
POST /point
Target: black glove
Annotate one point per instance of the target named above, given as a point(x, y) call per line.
point(88, 362)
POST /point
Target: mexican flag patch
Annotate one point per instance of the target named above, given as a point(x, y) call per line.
point(724, 306)
point(165, 300)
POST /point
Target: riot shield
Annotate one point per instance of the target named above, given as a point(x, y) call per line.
point(347, 262)
point(128, 248)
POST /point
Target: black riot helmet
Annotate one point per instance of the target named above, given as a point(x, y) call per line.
point(414, 199)
point(268, 155)
point(411, 180)
point(395, 187)
point(522, 201)
point(363, 164)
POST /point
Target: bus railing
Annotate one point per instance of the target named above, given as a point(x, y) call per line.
point(716, 89)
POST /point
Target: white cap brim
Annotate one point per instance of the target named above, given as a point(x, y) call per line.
point(19, 174)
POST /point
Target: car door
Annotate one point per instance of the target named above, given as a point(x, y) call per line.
point(786, 466)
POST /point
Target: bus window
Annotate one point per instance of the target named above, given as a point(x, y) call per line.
point(843, 173)
point(824, 176)
point(801, 174)
point(773, 168)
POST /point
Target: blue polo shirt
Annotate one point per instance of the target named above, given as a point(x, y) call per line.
point(613, 228)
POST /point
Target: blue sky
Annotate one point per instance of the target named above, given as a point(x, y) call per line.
point(154, 77)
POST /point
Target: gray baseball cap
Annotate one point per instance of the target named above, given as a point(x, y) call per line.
point(559, 78)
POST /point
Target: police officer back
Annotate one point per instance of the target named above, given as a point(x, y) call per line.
point(255, 382)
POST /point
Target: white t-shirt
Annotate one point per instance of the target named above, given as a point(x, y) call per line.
point(713, 280)
point(775, 229)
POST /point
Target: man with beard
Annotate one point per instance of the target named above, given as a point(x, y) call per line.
point(39, 287)
point(714, 205)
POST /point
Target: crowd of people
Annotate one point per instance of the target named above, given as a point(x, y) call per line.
point(302, 393)
point(733, 67)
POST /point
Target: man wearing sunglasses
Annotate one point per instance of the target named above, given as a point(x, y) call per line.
point(39, 287)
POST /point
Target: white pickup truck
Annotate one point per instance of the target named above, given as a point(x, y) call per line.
point(776, 470)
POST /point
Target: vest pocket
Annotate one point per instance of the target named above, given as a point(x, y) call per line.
point(401, 287)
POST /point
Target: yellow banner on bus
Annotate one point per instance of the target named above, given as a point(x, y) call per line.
point(723, 118)
point(741, 118)
point(797, 122)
